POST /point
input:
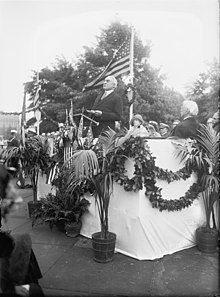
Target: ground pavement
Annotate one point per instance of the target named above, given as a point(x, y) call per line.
point(68, 267)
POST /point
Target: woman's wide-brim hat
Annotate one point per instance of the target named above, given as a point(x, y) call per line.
point(136, 117)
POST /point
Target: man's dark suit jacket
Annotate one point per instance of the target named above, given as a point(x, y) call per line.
point(186, 129)
point(111, 107)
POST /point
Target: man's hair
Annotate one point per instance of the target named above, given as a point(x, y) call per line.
point(191, 107)
point(113, 79)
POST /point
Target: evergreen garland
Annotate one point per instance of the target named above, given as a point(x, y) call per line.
point(146, 174)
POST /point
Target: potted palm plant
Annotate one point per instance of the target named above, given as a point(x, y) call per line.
point(33, 158)
point(94, 167)
point(204, 156)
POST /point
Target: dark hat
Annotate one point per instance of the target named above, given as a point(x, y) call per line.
point(162, 125)
point(136, 117)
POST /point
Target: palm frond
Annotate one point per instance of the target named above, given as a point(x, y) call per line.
point(84, 164)
point(107, 140)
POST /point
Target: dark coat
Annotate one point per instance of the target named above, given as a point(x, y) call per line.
point(13, 142)
point(21, 267)
point(111, 107)
point(188, 128)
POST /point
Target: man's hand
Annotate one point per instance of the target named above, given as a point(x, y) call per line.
point(97, 113)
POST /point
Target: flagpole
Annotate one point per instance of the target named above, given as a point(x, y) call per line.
point(23, 118)
point(37, 111)
point(131, 66)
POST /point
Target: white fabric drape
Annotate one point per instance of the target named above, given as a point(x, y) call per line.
point(144, 232)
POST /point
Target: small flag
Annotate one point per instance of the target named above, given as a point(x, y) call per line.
point(80, 128)
point(119, 64)
point(23, 120)
point(67, 119)
point(89, 136)
point(37, 97)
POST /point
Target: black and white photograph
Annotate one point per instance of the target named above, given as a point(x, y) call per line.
point(109, 148)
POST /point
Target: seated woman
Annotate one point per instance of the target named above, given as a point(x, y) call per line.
point(152, 132)
point(137, 128)
point(189, 126)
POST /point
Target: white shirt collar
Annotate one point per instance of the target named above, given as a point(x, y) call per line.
point(108, 92)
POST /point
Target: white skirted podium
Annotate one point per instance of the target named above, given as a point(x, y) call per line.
point(144, 232)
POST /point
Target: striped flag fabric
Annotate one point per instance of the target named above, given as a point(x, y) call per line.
point(37, 96)
point(119, 64)
point(90, 136)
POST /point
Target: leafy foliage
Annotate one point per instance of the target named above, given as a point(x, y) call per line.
point(63, 207)
point(95, 167)
point(65, 81)
point(205, 157)
point(205, 91)
point(34, 157)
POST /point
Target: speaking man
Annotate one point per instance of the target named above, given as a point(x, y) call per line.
point(107, 107)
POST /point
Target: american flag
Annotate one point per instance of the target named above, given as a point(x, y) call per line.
point(37, 97)
point(119, 64)
point(90, 136)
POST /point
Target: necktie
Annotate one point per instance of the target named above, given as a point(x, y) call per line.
point(104, 95)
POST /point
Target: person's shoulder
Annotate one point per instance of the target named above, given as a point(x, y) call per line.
point(115, 94)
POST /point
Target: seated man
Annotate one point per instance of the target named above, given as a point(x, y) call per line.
point(164, 130)
point(189, 126)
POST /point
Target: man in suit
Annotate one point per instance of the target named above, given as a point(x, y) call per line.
point(164, 130)
point(189, 126)
point(107, 107)
point(13, 140)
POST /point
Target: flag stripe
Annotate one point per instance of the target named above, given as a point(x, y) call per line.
point(115, 72)
point(121, 61)
point(119, 64)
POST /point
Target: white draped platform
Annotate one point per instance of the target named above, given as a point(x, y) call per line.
point(144, 232)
